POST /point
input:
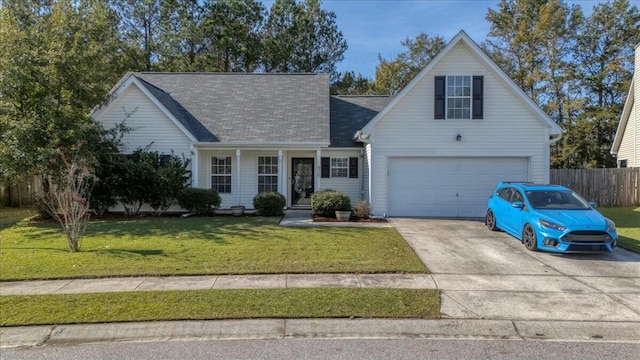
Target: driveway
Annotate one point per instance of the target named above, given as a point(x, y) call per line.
point(485, 274)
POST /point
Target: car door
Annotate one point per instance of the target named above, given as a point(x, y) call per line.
point(517, 215)
point(502, 209)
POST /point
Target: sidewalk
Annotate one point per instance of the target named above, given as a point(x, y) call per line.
point(151, 283)
point(304, 218)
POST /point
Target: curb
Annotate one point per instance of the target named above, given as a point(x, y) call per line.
point(576, 331)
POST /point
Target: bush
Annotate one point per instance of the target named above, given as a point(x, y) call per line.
point(362, 209)
point(199, 201)
point(269, 203)
point(327, 202)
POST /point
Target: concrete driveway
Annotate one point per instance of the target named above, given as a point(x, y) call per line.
point(485, 274)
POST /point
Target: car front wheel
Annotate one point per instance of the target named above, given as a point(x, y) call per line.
point(529, 238)
point(490, 221)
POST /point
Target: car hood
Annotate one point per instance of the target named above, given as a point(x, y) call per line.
point(574, 217)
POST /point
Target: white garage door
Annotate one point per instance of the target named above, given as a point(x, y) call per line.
point(448, 187)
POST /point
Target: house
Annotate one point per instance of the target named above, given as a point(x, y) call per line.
point(438, 148)
point(626, 144)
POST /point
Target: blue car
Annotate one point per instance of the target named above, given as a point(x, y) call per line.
point(550, 218)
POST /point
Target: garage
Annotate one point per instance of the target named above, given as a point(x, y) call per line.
point(448, 187)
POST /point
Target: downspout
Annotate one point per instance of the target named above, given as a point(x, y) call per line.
point(366, 139)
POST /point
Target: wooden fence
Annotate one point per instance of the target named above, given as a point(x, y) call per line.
point(20, 195)
point(607, 187)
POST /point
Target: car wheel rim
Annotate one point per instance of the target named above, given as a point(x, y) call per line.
point(491, 221)
point(528, 237)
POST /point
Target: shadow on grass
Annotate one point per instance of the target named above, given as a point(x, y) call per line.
point(127, 253)
point(216, 229)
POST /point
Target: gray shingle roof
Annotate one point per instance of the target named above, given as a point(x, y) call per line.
point(248, 108)
point(350, 114)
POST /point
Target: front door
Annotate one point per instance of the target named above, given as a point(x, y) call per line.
point(301, 181)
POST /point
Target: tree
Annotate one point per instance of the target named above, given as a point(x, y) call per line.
point(59, 60)
point(236, 35)
point(351, 84)
point(604, 53)
point(301, 37)
point(393, 75)
point(67, 197)
point(514, 44)
point(140, 26)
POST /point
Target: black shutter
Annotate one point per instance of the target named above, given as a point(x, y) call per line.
point(353, 168)
point(325, 167)
point(477, 97)
point(439, 101)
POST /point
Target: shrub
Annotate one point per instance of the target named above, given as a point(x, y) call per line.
point(199, 201)
point(362, 209)
point(269, 203)
point(327, 202)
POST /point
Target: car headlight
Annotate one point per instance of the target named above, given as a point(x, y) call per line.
point(550, 225)
point(610, 225)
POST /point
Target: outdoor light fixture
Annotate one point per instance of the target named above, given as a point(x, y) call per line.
point(459, 137)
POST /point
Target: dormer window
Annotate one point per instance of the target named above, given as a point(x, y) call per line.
point(458, 97)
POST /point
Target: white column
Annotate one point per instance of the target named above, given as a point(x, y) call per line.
point(281, 178)
point(195, 163)
point(318, 170)
point(238, 173)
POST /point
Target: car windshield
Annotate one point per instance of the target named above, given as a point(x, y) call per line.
point(556, 200)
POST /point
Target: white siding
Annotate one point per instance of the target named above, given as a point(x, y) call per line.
point(351, 186)
point(509, 127)
point(150, 125)
point(629, 144)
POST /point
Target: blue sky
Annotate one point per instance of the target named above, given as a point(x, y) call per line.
point(373, 27)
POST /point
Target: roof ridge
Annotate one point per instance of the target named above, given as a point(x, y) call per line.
point(224, 73)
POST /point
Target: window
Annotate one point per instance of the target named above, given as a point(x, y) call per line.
point(622, 163)
point(458, 97)
point(267, 173)
point(339, 167)
point(221, 174)
point(504, 193)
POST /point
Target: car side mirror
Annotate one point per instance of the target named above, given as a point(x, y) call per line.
point(518, 205)
point(593, 204)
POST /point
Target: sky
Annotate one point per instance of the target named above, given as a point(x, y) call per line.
point(373, 27)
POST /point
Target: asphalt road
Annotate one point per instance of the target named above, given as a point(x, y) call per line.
point(405, 349)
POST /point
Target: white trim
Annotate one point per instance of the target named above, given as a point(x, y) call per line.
point(318, 170)
point(462, 36)
point(302, 146)
point(281, 174)
point(239, 169)
point(624, 118)
point(194, 166)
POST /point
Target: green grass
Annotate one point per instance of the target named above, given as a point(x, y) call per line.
point(11, 216)
point(200, 245)
point(627, 221)
point(219, 304)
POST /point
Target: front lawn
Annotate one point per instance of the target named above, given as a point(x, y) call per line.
point(198, 246)
point(219, 304)
point(627, 221)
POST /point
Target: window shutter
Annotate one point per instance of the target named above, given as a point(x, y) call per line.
point(477, 97)
point(439, 101)
point(325, 167)
point(353, 168)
